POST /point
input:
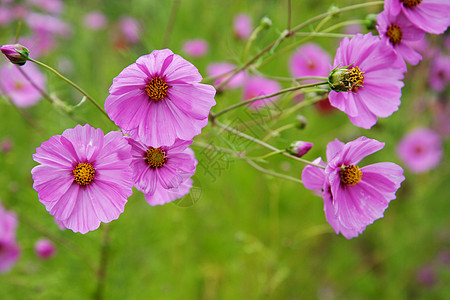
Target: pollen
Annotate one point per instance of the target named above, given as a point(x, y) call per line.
point(356, 78)
point(395, 34)
point(350, 175)
point(411, 3)
point(156, 157)
point(156, 89)
point(83, 174)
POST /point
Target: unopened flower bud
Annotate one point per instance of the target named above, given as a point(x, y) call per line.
point(370, 21)
point(345, 80)
point(334, 10)
point(44, 249)
point(17, 54)
point(266, 22)
point(300, 122)
point(299, 148)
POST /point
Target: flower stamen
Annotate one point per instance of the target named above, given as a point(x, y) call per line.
point(356, 78)
point(83, 174)
point(411, 3)
point(155, 157)
point(156, 89)
point(395, 34)
point(350, 175)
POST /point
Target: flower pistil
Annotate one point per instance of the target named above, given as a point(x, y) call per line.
point(395, 34)
point(83, 174)
point(350, 175)
point(156, 89)
point(411, 3)
point(156, 157)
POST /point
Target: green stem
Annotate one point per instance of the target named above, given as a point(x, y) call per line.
point(264, 144)
point(272, 173)
point(72, 84)
point(230, 108)
point(104, 256)
point(324, 34)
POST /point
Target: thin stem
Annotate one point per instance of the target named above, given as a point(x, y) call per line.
point(289, 13)
point(44, 94)
point(264, 144)
point(288, 33)
point(268, 96)
point(277, 131)
point(73, 85)
point(268, 155)
point(342, 24)
point(324, 34)
point(19, 28)
point(104, 256)
point(272, 173)
point(172, 17)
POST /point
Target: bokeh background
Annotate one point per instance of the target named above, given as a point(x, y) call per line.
point(239, 234)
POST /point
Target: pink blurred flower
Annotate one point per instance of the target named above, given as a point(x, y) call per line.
point(426, 276)
point(163, 196)
point(159, 98)
point(219, 68)
point(353, 28)
point(367, 82)
point(39, 43)
point(195, 48)
point(20, 11)
point(47, 24)
point(353, 198)
point(51, 6)
point(439, 72)
point(395, 31)
point(163, 167)
point(6, 15)
point(95, 20)
point(420, 150)
point(259, 86)
point(18, 88)
point(84, 177)
point(310, 60)
point(130, 29)
point(44, 249)
point(9, 250)
point(429, 15)
point(6, 145)
point(242, 26)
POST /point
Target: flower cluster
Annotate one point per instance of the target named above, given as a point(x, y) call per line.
point(353, 197)
point(85, 177)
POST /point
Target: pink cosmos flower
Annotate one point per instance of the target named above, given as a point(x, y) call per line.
point(300, 148)
point(310, 60)
point(44, 249)
point(39, 43)
point(353, 197)
point(156, 169)
point(51, 6)
point(420, 150)
point(6, 15)
point(259, 86)
point(6, 145)
point(395, 31)
point(219, 68)
point(84, 177)
point(159, 98)
point(9, 250)
point(18, 88)
point(47, 24)
point(130, 29)
point(95, 20)
point(429, 15)
point(242, 26)
point(163, 196)
point(195, 48)
point(353, 28)
point(366, 81)
point(439, 72)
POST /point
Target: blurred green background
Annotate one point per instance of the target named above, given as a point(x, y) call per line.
point(247, 235)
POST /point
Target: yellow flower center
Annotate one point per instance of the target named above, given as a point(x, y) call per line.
point(83, 174)
point(350, 175)
point(411, 3)
point(395, 34)
point(356, 78)
point(156, 157)
point(156, 89)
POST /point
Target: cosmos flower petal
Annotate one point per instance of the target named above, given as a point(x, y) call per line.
point(314, 177)
point(83, 217)
point(163, 196)
point(385, 176)
point(51, 182)
point(334, 148)
point(194, 100)
point(85, 140)
point(63, 208)
point(54, 153)
point(354, 151)
point(169, 177)
point(107, 204)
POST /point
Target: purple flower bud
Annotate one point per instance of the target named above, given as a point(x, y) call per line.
point(44, 249)
point(17, 54)
point(300, 148)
